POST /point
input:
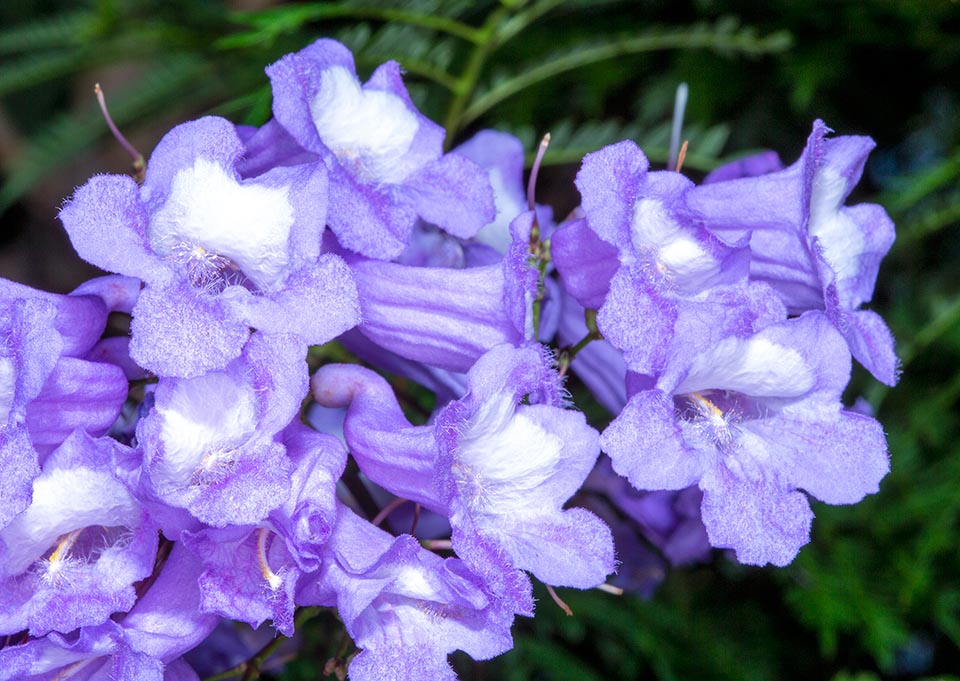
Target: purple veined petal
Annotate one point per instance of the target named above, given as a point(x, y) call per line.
point(107, 224)
point(295, 79)
point(325, 288)
point(166, 622)
point(115, 350)
point(838, 461)
point(269, 147)
point(78, 319)
point(367, 221)
point(755, 165)
point(573, 548)
point(18, 461)
point(761, 521)
point(871, 343)
point(647, 447)
point(609, 182)
point(249, 575)
point(77, 394)
point(118, 293)
point(638, 321)
point(447, 385)
point(445, 318)
point(501, 155)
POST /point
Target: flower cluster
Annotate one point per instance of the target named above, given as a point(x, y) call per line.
point(194, 471)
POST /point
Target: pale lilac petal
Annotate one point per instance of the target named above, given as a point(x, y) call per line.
point(167, 320)
point(871, 343)
point(647, 447)
point(761, 521)
point(573, 548)
point(107, 225)
point(453, 193)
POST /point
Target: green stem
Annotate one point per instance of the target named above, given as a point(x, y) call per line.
point(467, 82)
point(297, 16)
point(616, 48)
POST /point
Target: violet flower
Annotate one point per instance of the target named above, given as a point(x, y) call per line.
point(753, 421)
point(817, 253)
point(211, 443)
point(405, 607)
point(218, 254)
point(385, 159)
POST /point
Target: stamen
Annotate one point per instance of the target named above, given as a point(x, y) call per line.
point(535, 170)
point(437, 544)
point(679, 107)
point(139, 165)
point(204, 268)
point(559, 601)
point(271, 577)
point(683, 154)
point(63, 548)
point(706, 405)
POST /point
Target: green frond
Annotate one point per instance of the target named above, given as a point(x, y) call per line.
point(724, 36)
point(57, 31)
point(70, 135)
point(38, 68)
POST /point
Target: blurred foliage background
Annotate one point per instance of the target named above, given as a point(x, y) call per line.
point(876, 595)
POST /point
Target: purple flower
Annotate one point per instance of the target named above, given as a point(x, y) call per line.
point(406, 608)
point(753, 421)
point(251, 573)
point(817, 253)
point(210, 444)
point(645, 260)
point(501, 470)
point(46, 389)
point(218, 254)
point(385, 159)
point(72, 557)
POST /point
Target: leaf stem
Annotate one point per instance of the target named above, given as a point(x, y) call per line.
point(467, 82)
point(617, 48)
